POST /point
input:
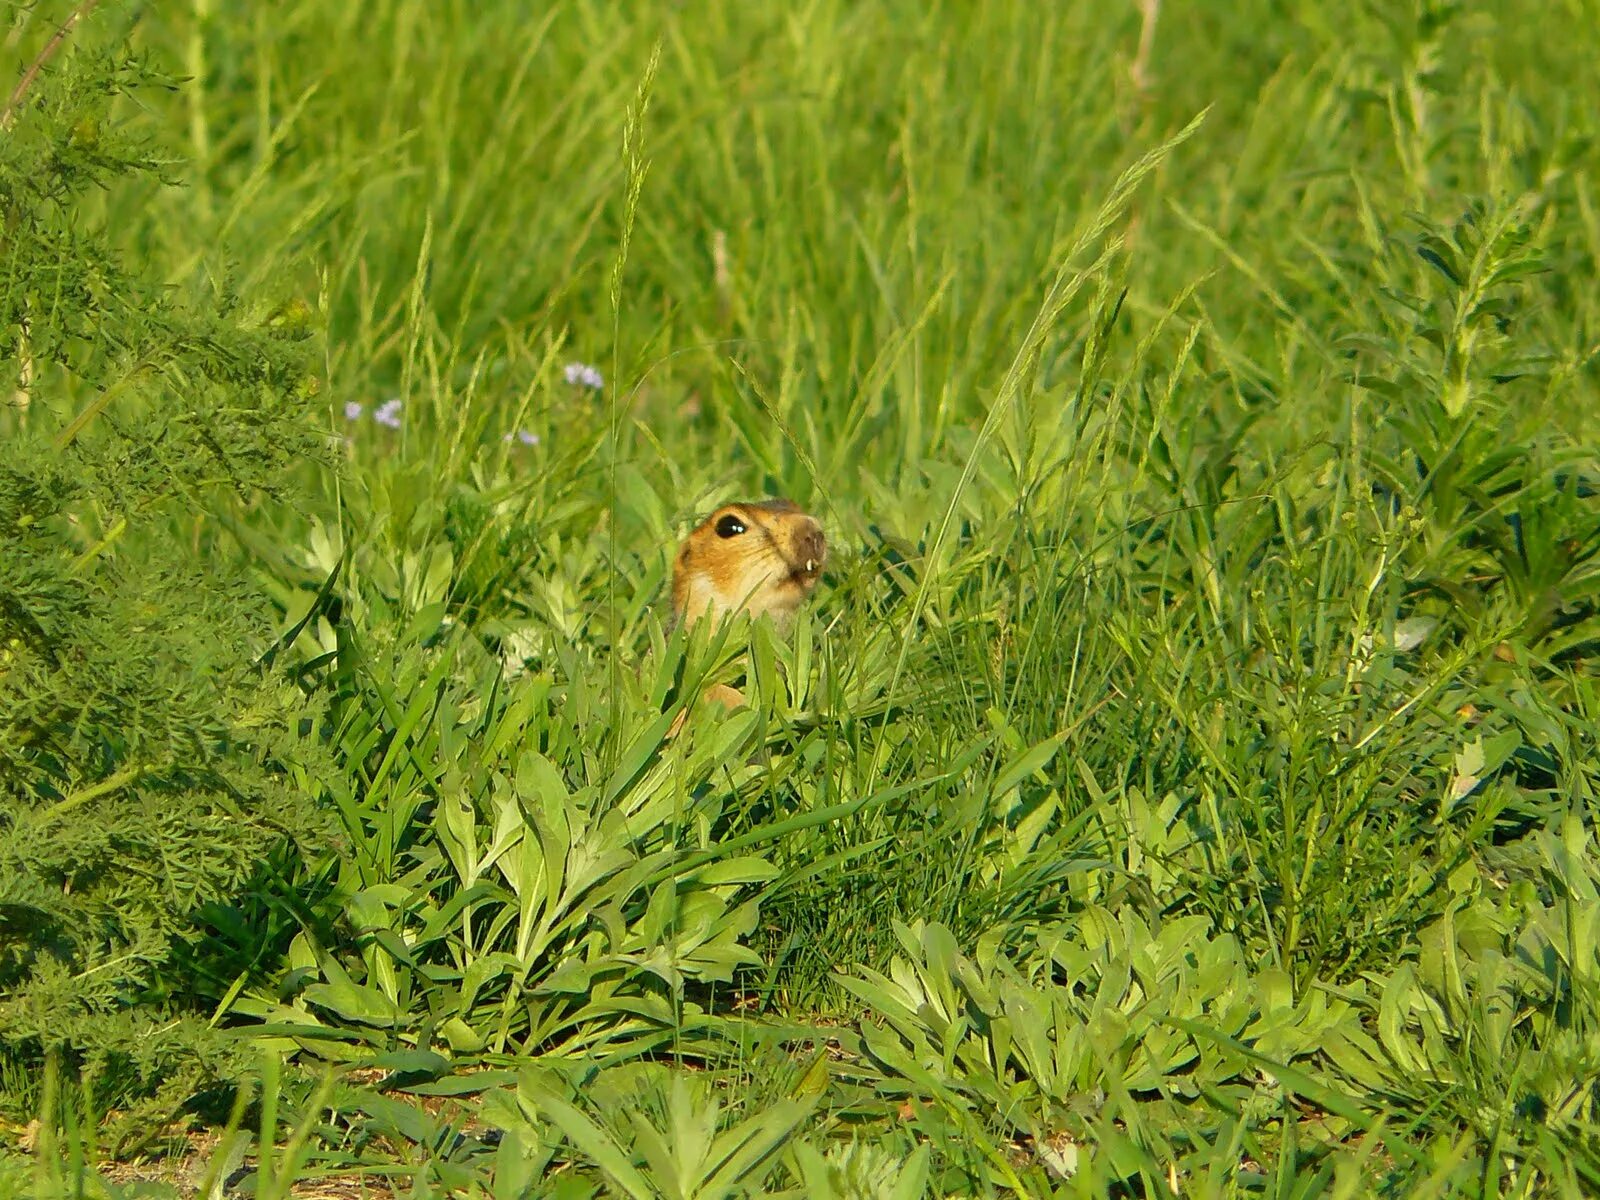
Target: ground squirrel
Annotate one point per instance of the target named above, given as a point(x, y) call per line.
point(763, 558)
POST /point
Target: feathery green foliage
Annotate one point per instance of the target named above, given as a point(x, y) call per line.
point(143, 757)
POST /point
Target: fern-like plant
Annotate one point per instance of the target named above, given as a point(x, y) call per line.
point(143, 753)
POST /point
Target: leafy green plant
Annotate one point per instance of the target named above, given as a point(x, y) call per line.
point(1109, 1018)
point(671, 1136)
point(1496, 1022)
point(1454, 377)
point(516, 881)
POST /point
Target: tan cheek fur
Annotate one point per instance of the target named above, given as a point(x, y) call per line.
point(708, 594)
point(715, 576)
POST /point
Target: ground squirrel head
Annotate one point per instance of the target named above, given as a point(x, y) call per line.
point(761, 557)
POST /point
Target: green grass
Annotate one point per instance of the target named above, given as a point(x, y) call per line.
point(1187, 772)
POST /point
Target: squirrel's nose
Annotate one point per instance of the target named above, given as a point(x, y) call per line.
point(811, 547)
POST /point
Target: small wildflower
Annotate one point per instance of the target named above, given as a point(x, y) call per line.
point(388, 413)
point(581, 374)
point(523, 436)
point(352, 410)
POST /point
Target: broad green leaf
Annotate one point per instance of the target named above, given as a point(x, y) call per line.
point(593, 1142)
point(354, 1002)
point(1034, 759)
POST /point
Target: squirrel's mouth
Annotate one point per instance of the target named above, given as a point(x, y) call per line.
point(806, 571)
point(805, 556)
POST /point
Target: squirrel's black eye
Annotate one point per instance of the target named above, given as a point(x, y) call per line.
point(730, 526)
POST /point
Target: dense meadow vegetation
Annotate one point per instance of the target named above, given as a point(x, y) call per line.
point(1184, 781)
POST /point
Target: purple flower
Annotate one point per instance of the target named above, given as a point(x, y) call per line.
point(352, 410)
point(388, 413)
point(581, 374)
point(523, 436)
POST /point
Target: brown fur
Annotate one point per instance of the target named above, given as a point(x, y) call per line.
point(769, 569)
